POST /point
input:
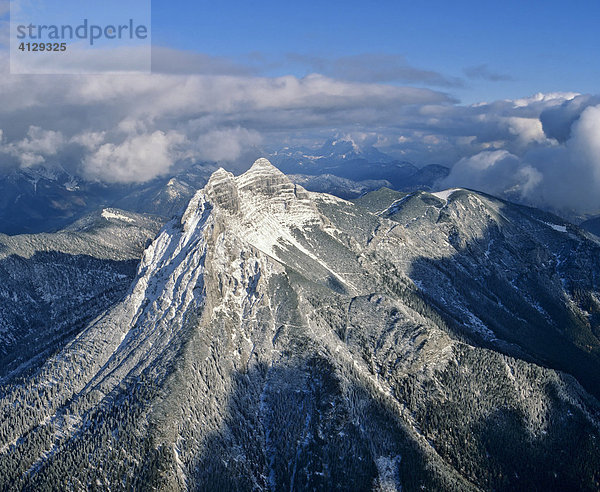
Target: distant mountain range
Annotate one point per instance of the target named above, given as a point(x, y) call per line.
point(47, 200)
point(345, 159)
point(273, 338)
point(38, 199)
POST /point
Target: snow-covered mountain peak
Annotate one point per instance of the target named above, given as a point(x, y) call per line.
point(265, 164)
point(263, 206)
point(219, 175)
point(262, 169)
point(262, 186)
point(264, 178)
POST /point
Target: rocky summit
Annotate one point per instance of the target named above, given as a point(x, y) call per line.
point(279, 339)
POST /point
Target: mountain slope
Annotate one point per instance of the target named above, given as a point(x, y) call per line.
point(280, 339)
point(51, 285)
point(592, 225)
point(507, 274)
point(333, 185)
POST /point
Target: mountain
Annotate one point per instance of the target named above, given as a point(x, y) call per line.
point(52, 285)
point(348, 149)
point(345, 159)
point(42, 200)
point(39, 200)
point(277, 339)
point(335, 150)
point(167, 196)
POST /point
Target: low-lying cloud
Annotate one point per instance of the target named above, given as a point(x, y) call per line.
point(557, 121)
point(148, 155)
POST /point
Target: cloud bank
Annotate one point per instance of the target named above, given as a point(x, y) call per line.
point(559, 170)
point(134, 127)
point(542, 150)
point(374, 67)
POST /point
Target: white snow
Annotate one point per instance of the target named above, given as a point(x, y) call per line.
point(269, 221)
point(559, 228)
point(109, 214)
point(72, 185)
point(387, 467)
point(446, 194)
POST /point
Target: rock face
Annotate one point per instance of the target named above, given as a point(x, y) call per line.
point(277, 339)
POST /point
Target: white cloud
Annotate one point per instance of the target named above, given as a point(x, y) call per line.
point(41, 141)
point(81, 58)
point(137, 159)
point(543, 149)
point(497, 172)
point(585, 142)
point(89, 140)
point(557, 120)
point(35, 147)
point(226, 145)
point(167, 60)
point(374, 67)
point(564, 177)
point(29, 159)
point(527, 130)
point(106, 116)
point(548, 97)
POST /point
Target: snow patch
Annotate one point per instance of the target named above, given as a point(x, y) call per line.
point(387, 468)
point(446, 194)
point(109, 214)
point(559, 228)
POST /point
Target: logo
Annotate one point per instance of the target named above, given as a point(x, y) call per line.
point(68, 36)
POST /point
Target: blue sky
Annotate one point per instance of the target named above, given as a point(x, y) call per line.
point(536, 46)
point(481, 50)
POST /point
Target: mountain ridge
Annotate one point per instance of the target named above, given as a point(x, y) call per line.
point(276, 338)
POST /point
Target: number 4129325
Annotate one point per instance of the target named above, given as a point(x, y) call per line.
point(43, 47)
